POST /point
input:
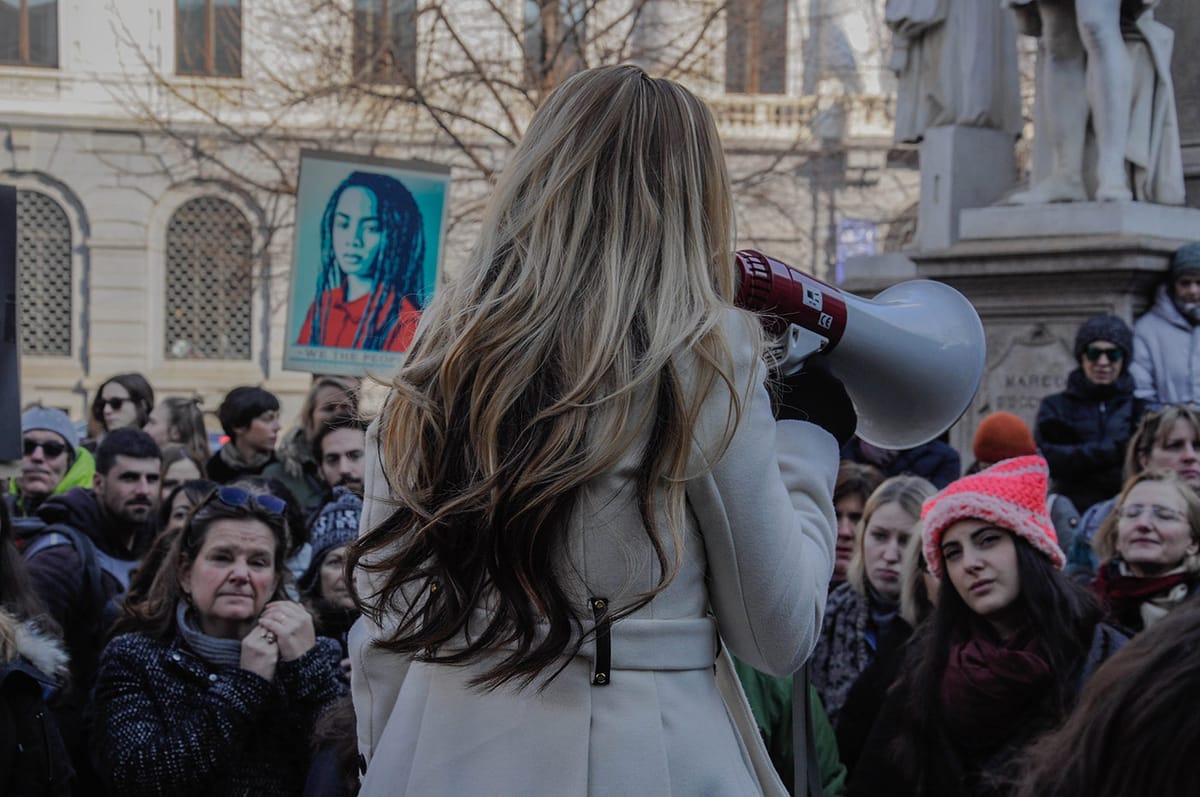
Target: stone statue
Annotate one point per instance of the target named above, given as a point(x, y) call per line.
point(1107, 61)
point(956, 64)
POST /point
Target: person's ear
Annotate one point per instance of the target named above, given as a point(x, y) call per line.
point(98, 482)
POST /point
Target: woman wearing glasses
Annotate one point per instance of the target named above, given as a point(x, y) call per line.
point(1168, 440)
point(1149, 546)
point(1082, 432)
point(217, 690)
point(122, 400)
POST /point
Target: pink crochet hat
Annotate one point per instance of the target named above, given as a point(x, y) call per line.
point(1011, 494)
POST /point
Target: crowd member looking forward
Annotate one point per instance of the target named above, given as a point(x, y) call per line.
point(217, 690)
point(1082, 432)
point(52, 462)
point(84, 556)
point(122, 400)
point(296, 466)
point(1166, 340)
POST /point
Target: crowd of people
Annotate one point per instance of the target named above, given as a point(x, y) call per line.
point(589, 540)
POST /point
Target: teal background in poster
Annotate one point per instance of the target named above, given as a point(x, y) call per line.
point(319, 177)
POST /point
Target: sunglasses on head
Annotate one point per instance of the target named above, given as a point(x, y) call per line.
point(115, 403)
point(237, 498)
point(49, 447)
point(1094, 353)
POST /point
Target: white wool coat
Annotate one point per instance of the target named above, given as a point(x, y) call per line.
point(1166, 354)
point(757, 556)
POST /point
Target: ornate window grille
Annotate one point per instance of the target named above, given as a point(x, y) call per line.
point(44, 271)
point(210, 271)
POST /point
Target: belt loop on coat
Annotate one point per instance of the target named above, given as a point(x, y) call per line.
point(602, 672)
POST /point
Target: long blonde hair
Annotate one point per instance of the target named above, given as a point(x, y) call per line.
point(604, 255)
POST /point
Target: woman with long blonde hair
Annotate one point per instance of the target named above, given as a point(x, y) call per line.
point(580, 483)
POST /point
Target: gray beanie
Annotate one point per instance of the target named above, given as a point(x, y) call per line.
point(1104, 327)
point(1186, 260)
point(51, 420)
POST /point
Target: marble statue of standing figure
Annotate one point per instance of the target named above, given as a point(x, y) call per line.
point(1107, 62)
point(956, 64)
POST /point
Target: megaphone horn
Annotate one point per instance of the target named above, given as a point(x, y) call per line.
point(911, 358)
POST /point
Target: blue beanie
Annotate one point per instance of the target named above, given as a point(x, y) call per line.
point(51, 420)
point(336, 525)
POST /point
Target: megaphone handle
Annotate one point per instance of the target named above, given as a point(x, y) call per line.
point(799, 344)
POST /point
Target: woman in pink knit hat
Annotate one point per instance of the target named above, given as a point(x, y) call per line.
point(1004, 655)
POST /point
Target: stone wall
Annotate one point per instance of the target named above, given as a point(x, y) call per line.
point(1185, 70)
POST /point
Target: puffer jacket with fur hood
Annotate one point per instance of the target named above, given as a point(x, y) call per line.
point(33, 759)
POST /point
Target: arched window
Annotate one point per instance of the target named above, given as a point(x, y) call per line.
point(44, 271)
point(210, 270)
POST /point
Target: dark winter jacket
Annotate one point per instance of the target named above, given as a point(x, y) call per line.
point(955, 772)
point(867, 694)
point(60, 580)
point(1083, 431)
point(936, 461)
point(33, 758)
point(170, 723)
point(228, 466)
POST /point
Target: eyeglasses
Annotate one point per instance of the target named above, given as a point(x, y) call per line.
point(236, 498)
point(115, 403)
point(1094, 353)
point(50, 448)
point(1159, 513)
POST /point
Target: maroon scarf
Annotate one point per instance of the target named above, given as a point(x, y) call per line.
point(990, 686)
point(1124, 595)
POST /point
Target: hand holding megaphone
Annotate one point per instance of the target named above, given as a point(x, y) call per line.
point(911, 359)
point(815, 395)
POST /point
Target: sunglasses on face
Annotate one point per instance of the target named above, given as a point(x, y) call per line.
point(49, 448)
point(236, 498)
point(115, 403)
point(1094, 353)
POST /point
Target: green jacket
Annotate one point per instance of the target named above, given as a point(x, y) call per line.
point(80, 474)
point(771, 702)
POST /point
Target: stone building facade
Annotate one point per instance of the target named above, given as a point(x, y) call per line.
point(155, 166)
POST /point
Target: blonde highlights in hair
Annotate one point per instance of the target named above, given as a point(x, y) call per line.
point(604, 255)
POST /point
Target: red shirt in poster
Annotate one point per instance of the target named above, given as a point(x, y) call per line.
point(340, 320)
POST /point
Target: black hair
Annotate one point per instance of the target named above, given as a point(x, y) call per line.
point(1061, 616)
point(140, 393)
point(127, 442)
point(242, 405)
point(197, 490)
point(334, 424)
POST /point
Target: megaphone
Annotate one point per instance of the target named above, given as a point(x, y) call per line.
point(911, 358)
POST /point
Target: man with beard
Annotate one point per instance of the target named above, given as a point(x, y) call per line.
point(1166, 342)
point(80, 562)
point(338, 448)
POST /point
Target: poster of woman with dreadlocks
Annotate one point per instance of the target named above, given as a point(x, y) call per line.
point(366, 255)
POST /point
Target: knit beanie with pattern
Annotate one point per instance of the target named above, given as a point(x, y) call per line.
point(1002, 436)
point(1104, 327)
point(336, 525)
point(1011, 494)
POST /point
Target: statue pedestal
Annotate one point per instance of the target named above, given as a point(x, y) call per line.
point(961, 167)
point(1035, 274)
